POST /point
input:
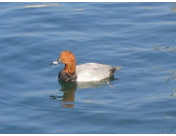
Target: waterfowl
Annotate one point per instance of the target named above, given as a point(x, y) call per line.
point(84, 72)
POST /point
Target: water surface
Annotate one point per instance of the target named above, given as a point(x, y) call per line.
point(139, 37)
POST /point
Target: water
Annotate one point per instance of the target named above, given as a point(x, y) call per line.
point(139, 37)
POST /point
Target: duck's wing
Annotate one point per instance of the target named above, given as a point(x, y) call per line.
point(93, 72)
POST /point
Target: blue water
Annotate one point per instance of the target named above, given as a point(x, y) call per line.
point(139, 37)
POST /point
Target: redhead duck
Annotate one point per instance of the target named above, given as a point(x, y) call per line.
point(82, 73)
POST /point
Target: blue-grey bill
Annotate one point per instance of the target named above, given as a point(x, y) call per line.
point(55, 62)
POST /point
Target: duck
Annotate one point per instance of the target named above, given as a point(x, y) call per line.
point(87, 72)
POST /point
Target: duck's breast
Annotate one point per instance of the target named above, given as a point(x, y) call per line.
point(92, 72)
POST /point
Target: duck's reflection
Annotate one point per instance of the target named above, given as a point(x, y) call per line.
point(68, 96)
point(68, 90)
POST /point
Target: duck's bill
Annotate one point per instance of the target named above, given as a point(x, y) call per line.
point(55, 62)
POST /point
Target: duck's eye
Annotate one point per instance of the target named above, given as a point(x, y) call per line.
point(59, 60)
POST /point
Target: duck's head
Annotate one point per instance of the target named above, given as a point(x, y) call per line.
point(68, 58)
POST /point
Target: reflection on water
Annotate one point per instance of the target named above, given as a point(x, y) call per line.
point(97, 84)
point(68, 94)
point(172, 72)
point(173, 7)
point(69, 90)
point(170, 78)
point(173, 94)
point(167, 48)
point(173, 77)
point(41, 6)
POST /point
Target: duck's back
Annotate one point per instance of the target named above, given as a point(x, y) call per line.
point(93, 72)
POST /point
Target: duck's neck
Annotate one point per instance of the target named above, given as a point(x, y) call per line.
point(70, 68)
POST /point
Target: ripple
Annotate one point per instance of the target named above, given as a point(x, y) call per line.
point(165, 49)
point(41, 6)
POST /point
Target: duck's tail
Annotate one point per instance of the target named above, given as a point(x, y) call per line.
point(117, 68)
point(113, 70)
